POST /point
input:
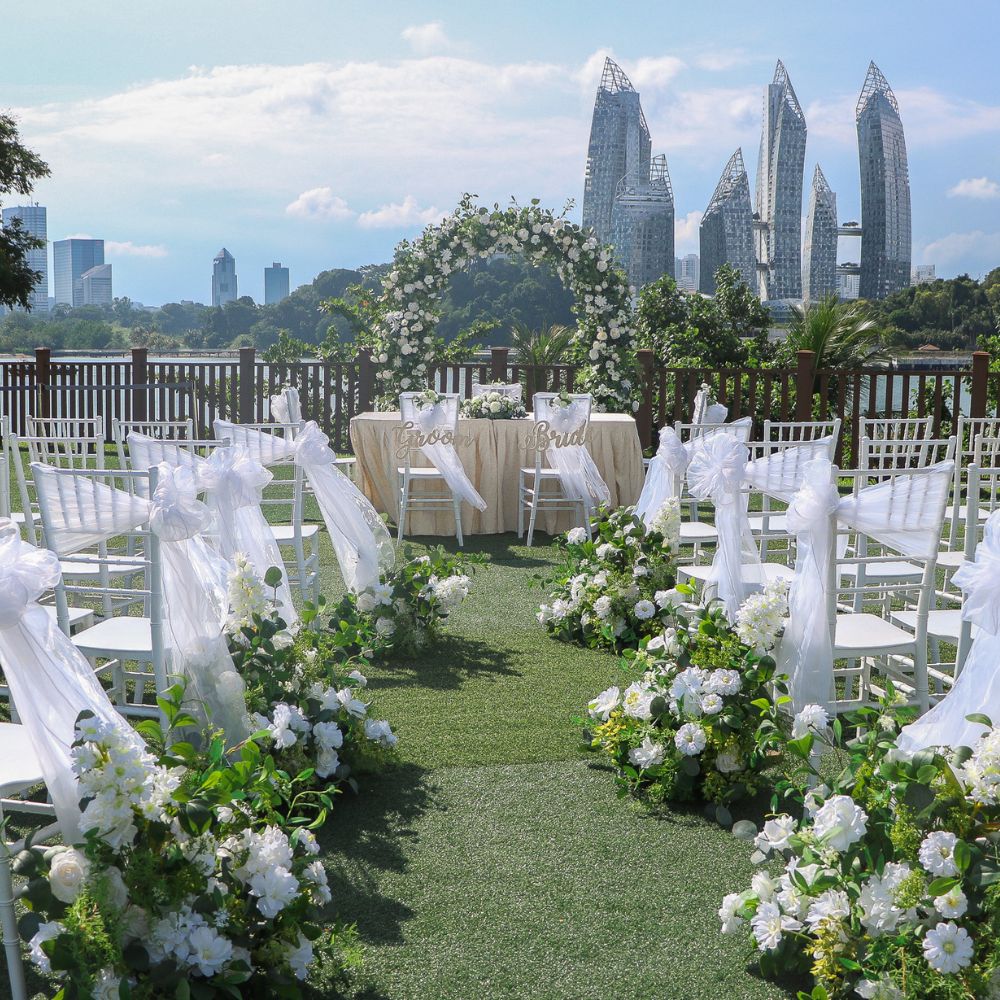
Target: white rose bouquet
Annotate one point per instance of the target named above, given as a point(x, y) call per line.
point(493, 406)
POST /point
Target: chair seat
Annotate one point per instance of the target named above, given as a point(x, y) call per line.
point(696, 532)
point(19, 767)
point(772, 572)
point(421, 473)
point(126, 637)
point(284, 534)
point(543, 473)
point(92, 571)
point(942, 623)
point(950, 560)
point(775, 522)
point(885, 571)
point(858, 634)
point(77, 616)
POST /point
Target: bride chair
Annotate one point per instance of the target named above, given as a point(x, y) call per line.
point(559, 435)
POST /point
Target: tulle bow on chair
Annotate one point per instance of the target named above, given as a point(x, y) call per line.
point(579, 476)
point(977, 688)
point(359, 536)
point(50, 680)
point(664, 475)
point(716, 473)
point(285, 407)
point(196, 602)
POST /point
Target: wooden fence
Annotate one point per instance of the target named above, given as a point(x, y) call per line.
point(138, 388)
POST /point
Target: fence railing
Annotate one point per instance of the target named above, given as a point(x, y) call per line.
point(137, 388)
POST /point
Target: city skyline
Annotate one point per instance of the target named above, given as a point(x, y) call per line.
point(275, 141)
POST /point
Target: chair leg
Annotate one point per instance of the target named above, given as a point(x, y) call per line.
point(404, 500)
point(8, 929)
point(534, 511)
point(520, 505)
point(457, 504)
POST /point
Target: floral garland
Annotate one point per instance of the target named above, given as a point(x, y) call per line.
point(703, 716)
point(408, 306)
point(616, 589)
point(493, 406)
point(889, 883)
point(190, 880)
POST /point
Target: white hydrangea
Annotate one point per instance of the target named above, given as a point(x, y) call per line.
point(576, 536)
point(981, 773)
point(246, 595)
point(761, 616)
point(879, 912)
point(667, 521)
point(812, 719)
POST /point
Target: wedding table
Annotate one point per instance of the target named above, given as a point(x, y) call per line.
point(492, 452)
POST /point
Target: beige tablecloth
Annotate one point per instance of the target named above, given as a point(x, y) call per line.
point(492, 452)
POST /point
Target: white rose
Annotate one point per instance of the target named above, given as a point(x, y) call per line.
point(366, 602)
point(67, 874)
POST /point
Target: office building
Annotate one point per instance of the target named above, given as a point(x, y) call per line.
point(33, 220)
point(224, 284)
point(726, 232)
point(71, 259)
point(686, 271)
point(275, 283)
point(923, 274)
point(96, 286)
point(819, 262)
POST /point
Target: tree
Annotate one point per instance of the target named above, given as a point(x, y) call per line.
point(841, 334)
point(19, 169)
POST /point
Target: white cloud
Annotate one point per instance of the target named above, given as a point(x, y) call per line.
point(427, 38)
point(398, 216)
point(686, 233)
point(975, 187)
point(320, 203)
point(130, 249)
point(716, 62)
point(975, 251)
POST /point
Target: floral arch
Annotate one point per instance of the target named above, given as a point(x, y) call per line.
point(408, 313)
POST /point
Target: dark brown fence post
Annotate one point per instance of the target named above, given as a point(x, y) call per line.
point(805, 375)
point(43, 378)
point(498, 363)
point(980, 372)
point(140, 383)
point(366, 380)
point(248, 384)
point(644, 415)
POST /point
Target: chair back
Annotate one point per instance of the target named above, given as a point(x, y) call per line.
point(442, 415)
point(165, 430)
point(738, 428)
point(896, 429)
point(65, 427)
point(511, 390)
point(779, 433)
point(885, 455)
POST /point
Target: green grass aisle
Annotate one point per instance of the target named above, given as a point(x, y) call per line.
point(496, 860)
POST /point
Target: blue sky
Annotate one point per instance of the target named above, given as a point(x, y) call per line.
point(319, 133)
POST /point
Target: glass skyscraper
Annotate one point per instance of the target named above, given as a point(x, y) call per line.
point(70, 260)
point(779, 190)
point(33, 221)
point(275, 283)
point(627, 199)
point(726, 233)
point(819, 263)
point(885, 190)
point(224, 284)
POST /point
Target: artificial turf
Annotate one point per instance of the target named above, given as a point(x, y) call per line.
point(495, 860)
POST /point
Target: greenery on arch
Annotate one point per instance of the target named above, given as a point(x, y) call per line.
point(409, 306)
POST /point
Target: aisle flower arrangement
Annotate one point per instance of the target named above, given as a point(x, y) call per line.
point(308, 698)
point(493, 406)
point(701, 719)
point(406, 611)
point(886, 884)
point(617, 588)
point(189, 880)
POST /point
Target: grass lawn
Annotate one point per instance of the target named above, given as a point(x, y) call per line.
point(496, 859)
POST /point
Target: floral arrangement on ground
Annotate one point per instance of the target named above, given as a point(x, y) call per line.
point(493, 405)
point(196, 874)
point(701, 721)
point(886, 884)
point(617, 588)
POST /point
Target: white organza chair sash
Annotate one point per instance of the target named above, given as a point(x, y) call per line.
point(716, 472)
point(285, 407)
point(664, 477)
point(705, 412)
point(781, 473)
point(50, 681)
point(145, 452)
point(264, 447)
point(195, 582)
point(512, 390)
point(83, 511)
point(441, 417)
point(359, 536)
point(567, 453)
point(977, 688)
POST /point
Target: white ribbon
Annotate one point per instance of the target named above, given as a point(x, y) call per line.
point(716, 473)
point(196, 603)
point(579, 477)
point(359, 536)
point(264, 447)
point(664, 475)
point(441, 453)
point(50, 681)
point(285, 407)
point(977, 689)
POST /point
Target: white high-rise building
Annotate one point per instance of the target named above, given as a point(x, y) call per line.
point(224, 286)
point(95, 284)
point(923, 274)
point(34, 221)
point(688, 271)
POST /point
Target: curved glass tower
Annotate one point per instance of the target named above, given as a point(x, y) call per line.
point(627, 197)
point(726, 233)
point(885, 190)
point(819, 263)
point(779, 190)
